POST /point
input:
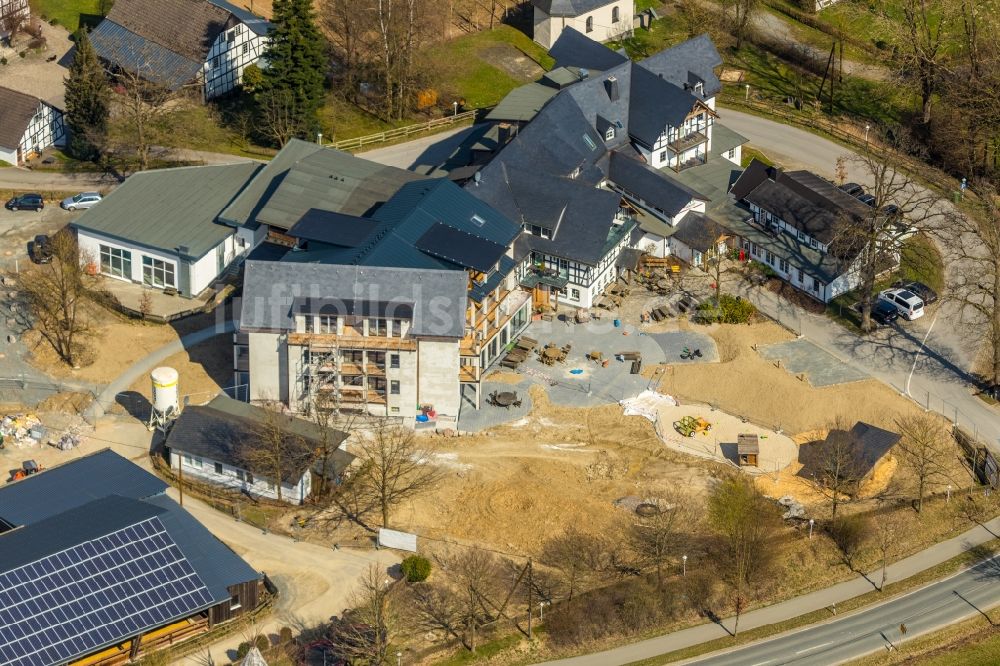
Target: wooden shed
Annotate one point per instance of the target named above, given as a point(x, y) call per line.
point(747, 450)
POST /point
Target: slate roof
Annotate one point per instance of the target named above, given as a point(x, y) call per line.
point(331, 228)
point(595, 99)
point(699, 232)
point(654, 104)
point(801, 199)
point(654, 187)
point(86, 498)
point(221, 430)
point(688, 63)
point(569, 7)
point(866, 444)
point(271, 290)
point(186, 27)
point(326, 179)
point(16, 111)
point(244, 208)
point(575, 49)
point(257, 24)
point(170, 209)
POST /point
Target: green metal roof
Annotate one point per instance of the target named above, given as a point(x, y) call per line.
point(242, 211)
point(523, 103)
point(170, 209)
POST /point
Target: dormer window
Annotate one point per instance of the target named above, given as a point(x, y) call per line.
point(610, 134)
point(590, 24)
point(699, 88)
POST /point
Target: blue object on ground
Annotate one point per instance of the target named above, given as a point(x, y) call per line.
point(576, 371)
point(422, 418)
point(618, 323)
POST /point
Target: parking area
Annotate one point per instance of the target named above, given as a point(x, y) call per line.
point(819, 367)
point(18, 227)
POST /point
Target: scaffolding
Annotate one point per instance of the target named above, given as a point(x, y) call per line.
point(332, 378)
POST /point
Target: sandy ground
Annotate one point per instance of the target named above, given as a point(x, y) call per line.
point(777, 451)
point(205, 369)
point(745, 384)
point(33, 74)
point(518, 485)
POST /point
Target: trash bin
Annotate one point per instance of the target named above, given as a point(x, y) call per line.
point(618, 323)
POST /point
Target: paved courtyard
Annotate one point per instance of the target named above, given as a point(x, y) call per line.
point(820, 367)
point(579, 382)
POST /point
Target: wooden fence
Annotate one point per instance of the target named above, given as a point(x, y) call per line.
point(402, 132)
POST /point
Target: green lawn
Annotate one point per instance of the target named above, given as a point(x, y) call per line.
point(985, 653)
point(71, 13)
point(751, 154)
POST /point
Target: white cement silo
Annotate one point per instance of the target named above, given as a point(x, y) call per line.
point(165, 401)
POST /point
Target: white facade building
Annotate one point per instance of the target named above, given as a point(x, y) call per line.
point(601, 20)
point(13, 8)
point(233, 50)
point(28, 125)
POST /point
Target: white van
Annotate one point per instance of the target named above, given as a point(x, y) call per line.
point(909, 305)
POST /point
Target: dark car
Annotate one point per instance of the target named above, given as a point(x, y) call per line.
point(26, 202)
point(40, 250)
point(852, 188)
point(884, 312)
point(926, 294)
point(867, 199)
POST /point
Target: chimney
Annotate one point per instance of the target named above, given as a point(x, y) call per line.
point(611, 85)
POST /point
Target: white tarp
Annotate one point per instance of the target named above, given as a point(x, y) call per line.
point(647, 404)
point(397, 540)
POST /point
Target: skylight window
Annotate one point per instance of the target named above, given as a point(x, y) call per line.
point(478, 221)
point(590, 142)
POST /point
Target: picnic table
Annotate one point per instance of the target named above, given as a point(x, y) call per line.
point(505, 398)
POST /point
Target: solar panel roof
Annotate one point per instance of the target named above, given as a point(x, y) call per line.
point(460, 247)
point(96, 592)
point(333, 228)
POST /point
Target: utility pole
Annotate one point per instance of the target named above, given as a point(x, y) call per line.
point(180, 476)
point(530, 590)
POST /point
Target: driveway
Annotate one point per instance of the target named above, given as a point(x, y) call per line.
point(315, 583)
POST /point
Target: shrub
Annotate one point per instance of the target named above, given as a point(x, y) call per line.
point(285, 635)
point(416, 568)
point(3, 60)
point(262, 642)
point(850, 534)
point(729, 310)
point(242, 649)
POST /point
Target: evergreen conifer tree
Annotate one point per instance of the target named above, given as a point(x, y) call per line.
point(88, 98)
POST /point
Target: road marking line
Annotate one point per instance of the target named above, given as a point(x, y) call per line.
point(814, 647)
point(916, 356)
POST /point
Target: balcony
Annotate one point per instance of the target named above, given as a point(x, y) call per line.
point(552, 277)
point(688, 141)
point(468, 373)
point(332, 341)
point(476, 338)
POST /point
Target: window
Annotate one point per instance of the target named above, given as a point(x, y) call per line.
point(378, 327)
point(802, 236)
point(801, 279)
point(815, 284)
point(587, 140)
point(326, 324)
point(478, 221)
point(615, 15)
point(239, 474)
point(230, 36)
point(770, 258)
point(218, 468)
point(394, 360)
point(813, 243)
point(158, 273)
point(731, 154)
point(610, 134)
point(249, 478)
point(216, 61)
point(394, 387)
point(574, 294)
point(192, 461)
point(663, 156)
point(246, 49)
point(116, 262)
point(234, 602)
point(590, 24)
point(783, 266)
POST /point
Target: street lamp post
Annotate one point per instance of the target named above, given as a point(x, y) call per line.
point(455, 105)
point(399, 658)
point(748, 92)
point(684, 565)
point(867, 128)
point(811, 523)
point(949, 493)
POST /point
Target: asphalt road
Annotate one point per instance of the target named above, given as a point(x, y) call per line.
point(877, 628)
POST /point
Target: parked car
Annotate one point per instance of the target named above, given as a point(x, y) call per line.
point(909, 304)
point(853, 189)
point(40, 249)
point(867, 199)
point(26, 202)
point(80, 201)
point(884, 312)
point(926, 294)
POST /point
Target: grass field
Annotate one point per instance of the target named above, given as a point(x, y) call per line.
point(71, 13)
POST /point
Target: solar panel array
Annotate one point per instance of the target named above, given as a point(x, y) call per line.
point(95, 594)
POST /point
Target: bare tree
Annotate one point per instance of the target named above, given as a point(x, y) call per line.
point(55, 295)
point(746, 523)
point(975, 264)
point(919, 32)
point(278, 115)
point(850, 533)
point(394, 467)
point(12, 18)
point(367, 631)
point(334, 427)
point(277, 450)
point(887, 531)
point(902, 207)
point(660, 538)
point(578, 557)
point(738, 17)
point(141, 109)
point(837, 470)
point(924, 450)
